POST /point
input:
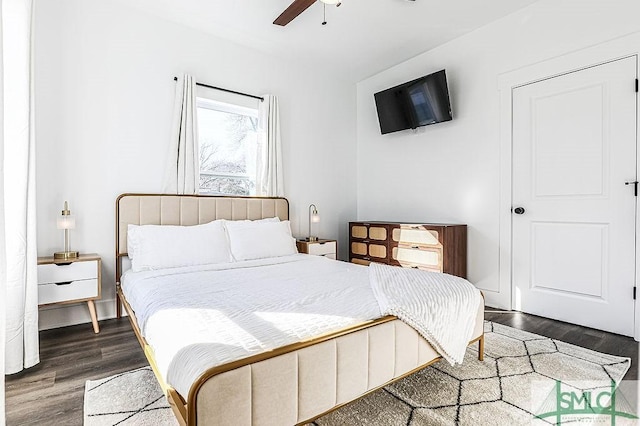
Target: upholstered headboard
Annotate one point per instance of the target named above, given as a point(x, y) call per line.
point(165, 209)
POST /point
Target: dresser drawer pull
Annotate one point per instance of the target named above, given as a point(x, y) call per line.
point(63, 263)
point(415, 227)
point(366, 258)
point(414, 267)
point(64, 283)
point(366, 224)
point(414, 247)
point(366, 241)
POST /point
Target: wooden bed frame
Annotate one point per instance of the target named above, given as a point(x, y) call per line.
point(196, 408)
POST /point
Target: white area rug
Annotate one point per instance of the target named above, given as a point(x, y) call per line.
point(520, 369)
point(130, 398)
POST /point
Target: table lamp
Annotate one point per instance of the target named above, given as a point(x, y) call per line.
point(314, 217)
point(66, 221)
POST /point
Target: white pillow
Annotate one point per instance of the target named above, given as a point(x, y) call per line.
point(153, 247)
point(260, 239)
point(267, 219)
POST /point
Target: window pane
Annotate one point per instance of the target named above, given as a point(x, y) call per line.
point(228, 149)
point(226, 185)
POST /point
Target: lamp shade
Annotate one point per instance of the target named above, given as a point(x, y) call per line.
point(66, 222)
point(315, 217)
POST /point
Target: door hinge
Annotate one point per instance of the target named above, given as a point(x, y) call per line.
point(634, 293)
point(636, 85)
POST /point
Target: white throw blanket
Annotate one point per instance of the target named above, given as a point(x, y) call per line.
point(417, 298)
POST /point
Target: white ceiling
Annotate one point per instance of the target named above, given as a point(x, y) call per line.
point(362, 37)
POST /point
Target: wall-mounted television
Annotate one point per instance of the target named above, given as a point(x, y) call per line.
point(420, 102)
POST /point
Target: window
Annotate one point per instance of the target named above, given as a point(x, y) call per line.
point(228, 140)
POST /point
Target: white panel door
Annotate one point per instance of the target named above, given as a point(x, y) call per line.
point(574, 148)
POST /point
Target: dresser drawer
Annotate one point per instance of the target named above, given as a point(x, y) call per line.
point(368, 231)
point(423, 268)
point(360, 261)
point(415, 235)
point(321, 249)
point(360, 249)
point(377, 251)
point(430, 258)
point(369, 249)
point(378, 233)
point(359, 231)
point(74, 290)
point(56, 273)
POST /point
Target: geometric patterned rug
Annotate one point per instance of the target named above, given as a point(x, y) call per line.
point(130, 398)
point(501, 390)
point(518, 379)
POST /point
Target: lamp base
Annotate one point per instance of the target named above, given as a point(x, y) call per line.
point(312, 239)
point(66, 255)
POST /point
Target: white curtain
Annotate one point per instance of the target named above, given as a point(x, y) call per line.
point(183, 169)
point(18, 256)
point(3, 259)
point(270, 180)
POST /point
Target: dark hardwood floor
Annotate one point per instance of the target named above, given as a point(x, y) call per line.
point(52, 393)
point(596, 340)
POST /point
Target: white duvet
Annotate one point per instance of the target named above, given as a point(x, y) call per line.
point(199, 317)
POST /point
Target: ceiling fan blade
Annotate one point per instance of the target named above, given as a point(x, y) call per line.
point(292, 12)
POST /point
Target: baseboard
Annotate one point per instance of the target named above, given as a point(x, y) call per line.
point(78, 313)
point(495, 300)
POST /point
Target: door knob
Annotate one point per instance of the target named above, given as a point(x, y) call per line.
point(518, 210)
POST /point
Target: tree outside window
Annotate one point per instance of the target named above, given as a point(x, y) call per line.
point(228, 148)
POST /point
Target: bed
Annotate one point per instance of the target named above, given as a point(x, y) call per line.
point(292, 383)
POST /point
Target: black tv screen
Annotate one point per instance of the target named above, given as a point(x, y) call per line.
point(417, 103)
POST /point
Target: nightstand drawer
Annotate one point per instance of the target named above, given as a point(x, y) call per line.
point(56, 273)
point(320, 249)
point(63, 292)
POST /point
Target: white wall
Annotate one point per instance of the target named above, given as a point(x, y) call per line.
point(451, 171)
point(104, 98)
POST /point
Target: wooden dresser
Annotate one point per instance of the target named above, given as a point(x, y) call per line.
point(434, 247)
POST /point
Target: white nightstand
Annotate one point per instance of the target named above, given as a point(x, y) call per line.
point(326, 248)
point(70, 281)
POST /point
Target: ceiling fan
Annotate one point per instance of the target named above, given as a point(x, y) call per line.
point(297, 7)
